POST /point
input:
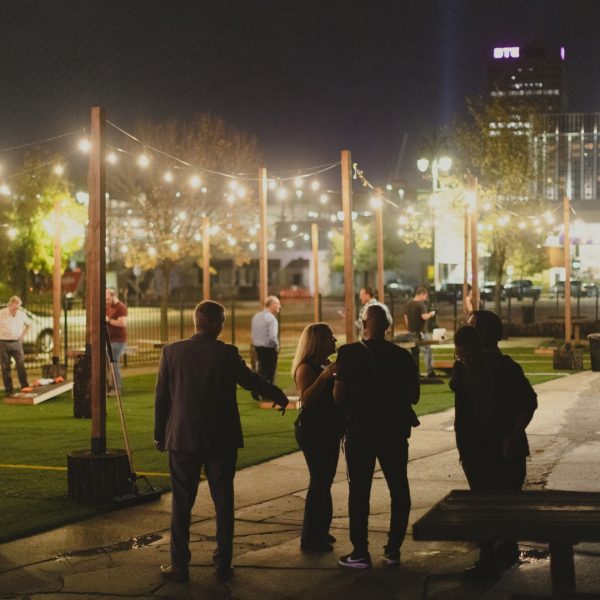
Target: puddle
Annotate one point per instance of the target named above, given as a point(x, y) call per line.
point(130, 544)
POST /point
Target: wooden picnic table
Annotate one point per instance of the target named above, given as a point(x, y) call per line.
point(559, 518)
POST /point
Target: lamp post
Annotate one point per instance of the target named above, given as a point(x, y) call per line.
point(436, 164)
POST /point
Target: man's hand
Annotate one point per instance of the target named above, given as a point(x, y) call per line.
point(281, 403)
point(160, 446)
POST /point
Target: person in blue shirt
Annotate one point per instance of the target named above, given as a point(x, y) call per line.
point(265, 338)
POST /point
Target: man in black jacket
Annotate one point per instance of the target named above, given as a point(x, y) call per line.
point(197, 420)
point(377, 383)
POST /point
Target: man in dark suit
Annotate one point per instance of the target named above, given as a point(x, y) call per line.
point(198, 422)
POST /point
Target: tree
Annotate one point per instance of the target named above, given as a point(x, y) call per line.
point(493, 145)
point(29, 213)
point(365, 248)
point(167, 201)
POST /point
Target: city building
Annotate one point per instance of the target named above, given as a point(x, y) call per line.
point(528, 74)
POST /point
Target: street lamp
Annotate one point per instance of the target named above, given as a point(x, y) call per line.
point(437, 164)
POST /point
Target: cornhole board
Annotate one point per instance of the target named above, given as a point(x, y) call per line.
point(39, 394)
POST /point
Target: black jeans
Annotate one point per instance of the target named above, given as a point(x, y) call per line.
point(185, 470)
point(267, 362)
point(321, 452)
point(392, 453)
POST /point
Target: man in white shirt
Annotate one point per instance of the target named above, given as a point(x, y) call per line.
point(14, 324)
point(265, 337)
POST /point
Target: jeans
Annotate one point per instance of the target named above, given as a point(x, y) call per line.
point(14, 350)
point(321, 453)
point(117, 349)
point(185, 470)
point(392, 453)
point(425, 349)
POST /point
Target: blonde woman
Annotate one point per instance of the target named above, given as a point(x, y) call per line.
point(319, 429)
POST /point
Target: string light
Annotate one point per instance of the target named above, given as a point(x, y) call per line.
point(143, 160)
point(195, 181)
point(271, 247)
point(197, 237)
point(174, 247)
point(12, 233)
point(4, 190)
point(168, 177)
point(84, 145)
point(252, 246)
point(298, 182)
point(290, 243)
point(58, 169)
point(323, 198)
point(281, 193)
point(152, 251)
point(315, 185)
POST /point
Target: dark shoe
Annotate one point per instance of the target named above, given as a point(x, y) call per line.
point(9, 392)
point(482, 570)
point(255, 396)
point(391, 557)
point(174, 573)
point(507, 554)
point(314, 547)
point(355, 561)
point(431, 375)
point(225, 573)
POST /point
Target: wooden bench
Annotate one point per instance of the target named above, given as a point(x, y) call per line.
point(559, 518)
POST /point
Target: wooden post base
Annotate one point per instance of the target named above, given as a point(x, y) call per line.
point(97, 478)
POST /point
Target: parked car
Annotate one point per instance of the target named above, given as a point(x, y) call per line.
point(522, 288)
point(578, 288)
point(449, 292)
point(40, 337)
point(488, 291)
point(399, 288)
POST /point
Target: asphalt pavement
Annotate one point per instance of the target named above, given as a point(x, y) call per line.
point(117, 554)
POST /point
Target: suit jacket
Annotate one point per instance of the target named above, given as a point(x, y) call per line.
point(195, 407)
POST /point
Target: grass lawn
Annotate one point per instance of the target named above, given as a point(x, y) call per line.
point(36, 440)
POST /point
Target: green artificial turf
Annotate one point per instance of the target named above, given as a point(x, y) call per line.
point(41, 436)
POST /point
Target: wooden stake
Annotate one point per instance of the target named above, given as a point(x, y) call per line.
point(96, 273)
point(348, 245)
point(205, 259)
point(474, 261)
point(379, 234)
point(567, 256)
point(314, 233)
point(263, 257)
point(466, 227)
point(56, 283)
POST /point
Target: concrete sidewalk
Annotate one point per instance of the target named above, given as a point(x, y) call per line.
point(117, 554)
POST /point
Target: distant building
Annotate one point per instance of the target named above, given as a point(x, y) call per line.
point(567, 157)
point(528, 74)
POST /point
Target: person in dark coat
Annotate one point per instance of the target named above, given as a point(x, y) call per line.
point(197, 420)
point(494, 403)
point(377, 383)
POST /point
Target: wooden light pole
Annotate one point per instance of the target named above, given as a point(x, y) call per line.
point(101, 474)
point(96, 272)
point(349, 318)
point(205, 258)
point(567, 257)
point(56, 288)
point(474, 262)
point(314, 234)
point(379, 235)
point(466, 228)
point(263, 257)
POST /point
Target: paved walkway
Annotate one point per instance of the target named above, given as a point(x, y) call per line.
point(116, 555)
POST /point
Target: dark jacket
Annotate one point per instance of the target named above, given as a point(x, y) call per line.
point(196, 405)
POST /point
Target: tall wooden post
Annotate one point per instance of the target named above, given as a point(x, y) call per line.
point(263, 257)
point(348, 245)
point(96, 272)
point(379, 235)
point(205, 258)
point(474, 261)
point(56, 284)
point(466, 227)
point(567, 255)
point(314, 234)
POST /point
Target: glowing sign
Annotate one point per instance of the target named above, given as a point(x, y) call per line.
point(509, 52)
point(562, 53)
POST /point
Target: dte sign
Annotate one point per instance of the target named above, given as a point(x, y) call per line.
point(510, 52)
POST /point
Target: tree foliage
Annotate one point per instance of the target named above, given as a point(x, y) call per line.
point(493, 145)
point(29, 213)
point(164, 221)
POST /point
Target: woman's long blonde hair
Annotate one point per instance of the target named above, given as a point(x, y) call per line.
point(310, 340)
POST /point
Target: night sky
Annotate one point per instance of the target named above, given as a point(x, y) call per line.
point(306, 78)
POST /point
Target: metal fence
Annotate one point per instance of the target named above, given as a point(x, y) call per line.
point(526, 317)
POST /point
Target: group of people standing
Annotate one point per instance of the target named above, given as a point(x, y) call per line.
point(364, 400)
